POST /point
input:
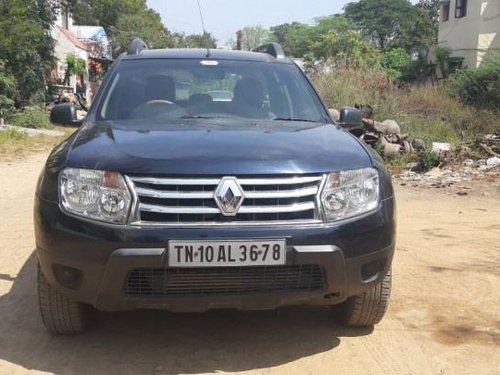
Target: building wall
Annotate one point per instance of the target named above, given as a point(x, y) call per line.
point(63, 47)
point(472, 36)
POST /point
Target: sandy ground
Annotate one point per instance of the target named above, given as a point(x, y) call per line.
point(444, 317)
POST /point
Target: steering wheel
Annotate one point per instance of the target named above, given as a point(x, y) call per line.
point(159, 101)
point(156, 108)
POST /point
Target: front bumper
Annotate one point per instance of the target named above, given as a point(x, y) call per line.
point(106, 254)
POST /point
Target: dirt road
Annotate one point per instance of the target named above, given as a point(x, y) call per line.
point(444, 317)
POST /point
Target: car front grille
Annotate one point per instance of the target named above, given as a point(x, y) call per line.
point(270, 199)
point(164, 282)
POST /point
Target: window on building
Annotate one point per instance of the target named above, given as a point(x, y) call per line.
point(461, 8)
point(445, 12)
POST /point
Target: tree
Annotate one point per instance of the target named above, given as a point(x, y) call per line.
point(255, 36)
point(7, 91)
point(345, 49)
point(123, 20)
point(297, 39)
point(430, 11)
point(384, 22)
point(293, 37)
point(205, 40)
point(146, 25)
point(26, 45)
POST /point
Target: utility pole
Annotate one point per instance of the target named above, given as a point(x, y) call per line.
point(239, 40)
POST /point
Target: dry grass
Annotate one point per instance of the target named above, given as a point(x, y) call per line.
point(426, 112)
point(16, 145)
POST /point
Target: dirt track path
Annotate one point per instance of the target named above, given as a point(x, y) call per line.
point(444, 317)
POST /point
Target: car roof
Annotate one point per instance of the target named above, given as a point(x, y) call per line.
point(216, 54)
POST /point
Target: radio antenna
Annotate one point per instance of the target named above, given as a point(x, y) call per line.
point(203, 26)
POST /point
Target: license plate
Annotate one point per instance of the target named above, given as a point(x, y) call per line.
point(226, 253)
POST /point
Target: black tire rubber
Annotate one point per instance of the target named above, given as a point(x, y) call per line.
point(60, 314)
point(369, 308)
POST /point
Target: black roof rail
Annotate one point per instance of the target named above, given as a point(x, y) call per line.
point(136, 47)
point(273, 49)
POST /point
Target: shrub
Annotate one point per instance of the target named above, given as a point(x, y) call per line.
point(479, 87)
point(31, 118)
point(395, 62)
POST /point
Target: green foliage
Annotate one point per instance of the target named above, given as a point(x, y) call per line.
point(429, 159)
point(345, 49)
point(74, 66)
point(124, 20)
point(205, 40)
point(146, 25)
point(298, 39)
point(393, 23)
point(35, 118)
point(293, 37)
point(479, 87)
point(8, 91)
point(255, 36)
point(395, 62)
point(26, 44)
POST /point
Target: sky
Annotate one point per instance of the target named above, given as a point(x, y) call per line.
point(224, 17)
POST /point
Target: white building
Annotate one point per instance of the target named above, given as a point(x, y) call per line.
point(95, 38)
point(66, 43)
point(470, 29)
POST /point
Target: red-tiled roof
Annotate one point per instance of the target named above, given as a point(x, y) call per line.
point(73, 39)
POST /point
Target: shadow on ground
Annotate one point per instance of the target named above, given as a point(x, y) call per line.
point(161, 342)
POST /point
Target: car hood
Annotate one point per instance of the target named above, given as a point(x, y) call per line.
point(219, 147)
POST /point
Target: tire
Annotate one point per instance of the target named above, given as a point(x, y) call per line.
point(369, 308)
point(60, 314)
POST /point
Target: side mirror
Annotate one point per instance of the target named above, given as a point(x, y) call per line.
point(351, 119)
point(64, 114)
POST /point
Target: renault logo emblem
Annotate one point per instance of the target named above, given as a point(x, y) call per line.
point(229, 196)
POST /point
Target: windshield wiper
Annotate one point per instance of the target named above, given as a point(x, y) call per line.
point(293, 119)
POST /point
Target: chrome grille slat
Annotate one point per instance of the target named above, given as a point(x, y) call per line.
point(215, 181)
point(243, 210)
point(153, 193)
point(177, 210)
point(296, 193)
point(190, 201)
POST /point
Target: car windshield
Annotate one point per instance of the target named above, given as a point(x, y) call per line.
point(170, 89)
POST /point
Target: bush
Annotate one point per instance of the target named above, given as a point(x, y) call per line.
point(395, 62)
point(31, 118)
point(479, 87)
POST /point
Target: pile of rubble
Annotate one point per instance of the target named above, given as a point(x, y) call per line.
point(459, 175)
point(451, 171)
point(385, 136)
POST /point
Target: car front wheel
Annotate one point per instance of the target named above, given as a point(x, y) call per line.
point(369, 308)
point(60, 314)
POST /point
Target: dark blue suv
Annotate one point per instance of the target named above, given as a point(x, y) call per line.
point(208, 179)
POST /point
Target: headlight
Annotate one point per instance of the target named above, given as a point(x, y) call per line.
point(99, 195)
point(350, 193)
